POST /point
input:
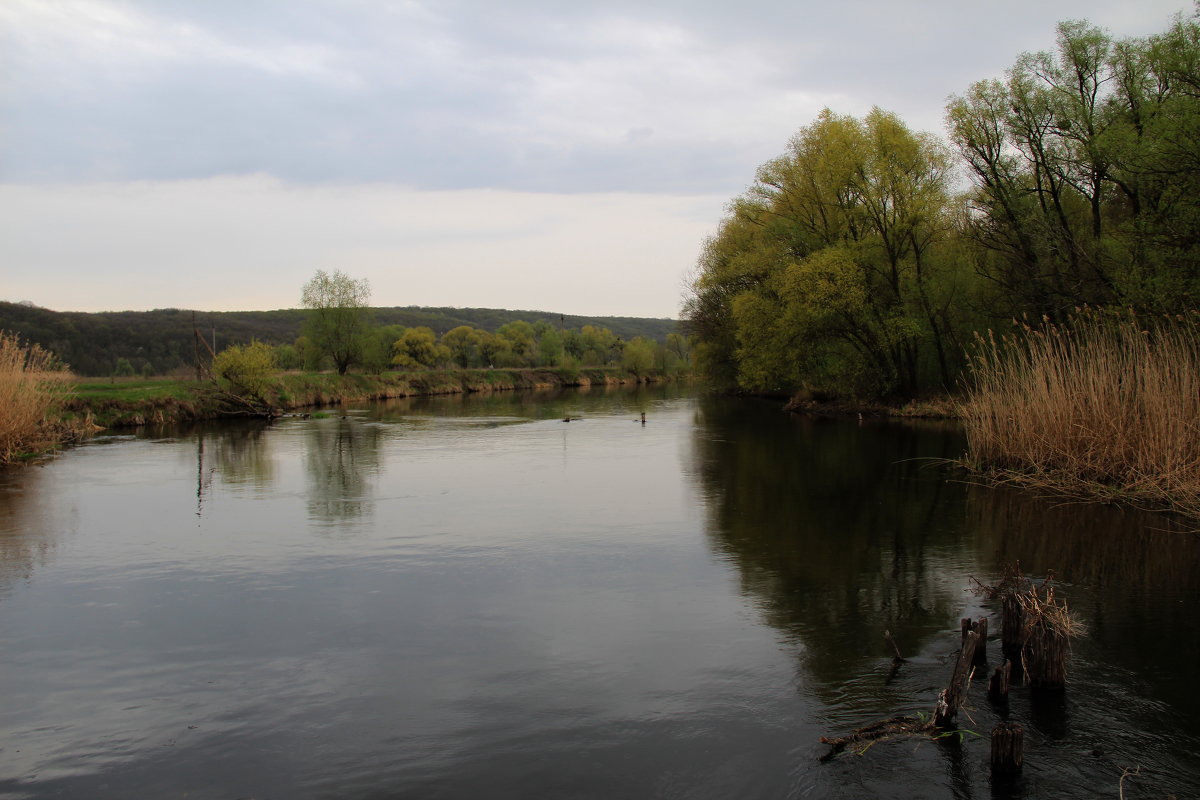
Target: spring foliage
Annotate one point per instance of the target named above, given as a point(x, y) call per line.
point(852, 266)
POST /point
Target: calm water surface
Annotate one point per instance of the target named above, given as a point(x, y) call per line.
point(469, 597)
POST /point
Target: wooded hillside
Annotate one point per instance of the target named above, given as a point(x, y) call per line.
point(91, 343)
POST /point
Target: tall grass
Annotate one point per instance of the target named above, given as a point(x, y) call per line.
point(1106, 404)
point(32, 384)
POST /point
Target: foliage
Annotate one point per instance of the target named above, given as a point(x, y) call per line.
point(247, 369)
point(831, 271)
point(638, 357)
point(163, 338)
point(850, 268)
point(1086, 163)
point(32, 386)
point(418, 348)
point(338, 316)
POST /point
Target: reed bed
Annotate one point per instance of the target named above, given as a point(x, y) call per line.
point(32, 386)
point(1106, 405)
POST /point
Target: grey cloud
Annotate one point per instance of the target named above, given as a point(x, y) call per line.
point(524, 95)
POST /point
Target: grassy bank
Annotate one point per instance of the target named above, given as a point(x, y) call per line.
point(113, 403)
point(1107, 407)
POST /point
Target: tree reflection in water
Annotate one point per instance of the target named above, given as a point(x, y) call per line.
point(840, 531)
point(342, 456)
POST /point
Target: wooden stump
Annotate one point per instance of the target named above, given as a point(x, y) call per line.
point(950, 698)
point(1007, 745)
point(998, 687)
point(1044, 656)
point(1012, 625)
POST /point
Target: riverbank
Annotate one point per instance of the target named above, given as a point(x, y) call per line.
point(119, 403)
point(942, 407)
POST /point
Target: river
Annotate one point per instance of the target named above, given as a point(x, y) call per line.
point(470, 597)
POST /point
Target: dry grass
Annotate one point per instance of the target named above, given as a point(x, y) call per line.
point(1107, 405)
point(32, 385)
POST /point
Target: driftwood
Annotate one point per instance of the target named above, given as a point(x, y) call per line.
point(869, 734)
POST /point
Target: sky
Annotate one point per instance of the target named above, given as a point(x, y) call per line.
point(566, 156)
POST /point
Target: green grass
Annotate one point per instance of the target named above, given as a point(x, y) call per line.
point(132, 390)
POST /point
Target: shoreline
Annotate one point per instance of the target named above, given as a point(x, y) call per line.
point(134, 403)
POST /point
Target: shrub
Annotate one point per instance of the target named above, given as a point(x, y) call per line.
point(32, 385)
point(247, 369)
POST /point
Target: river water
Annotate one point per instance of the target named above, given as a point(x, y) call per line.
point(469, 597)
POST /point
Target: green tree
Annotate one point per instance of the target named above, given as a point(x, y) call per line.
point(638, 356)
point(1086, 173)
point(521, 340)
point(339, 316)
point(464, 343)
point(418, 348)
point(828, 272)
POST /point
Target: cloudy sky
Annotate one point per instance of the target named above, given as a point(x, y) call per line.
point(567, 156)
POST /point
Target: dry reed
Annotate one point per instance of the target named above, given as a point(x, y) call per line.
point(1106, 405)
point(32, 385)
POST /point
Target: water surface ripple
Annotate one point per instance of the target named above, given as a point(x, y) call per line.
point(466, 597)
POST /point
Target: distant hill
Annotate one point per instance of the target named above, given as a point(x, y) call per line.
point(91, 343)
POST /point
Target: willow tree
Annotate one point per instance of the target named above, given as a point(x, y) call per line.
point(339, 317)
point(829, 272)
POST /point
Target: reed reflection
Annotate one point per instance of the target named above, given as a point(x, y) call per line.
point(28, 533)
point(342, 455)
point(840, 531)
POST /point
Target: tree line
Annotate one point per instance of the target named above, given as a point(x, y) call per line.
point(857, 264)
point(341, 334)
point(160, 342)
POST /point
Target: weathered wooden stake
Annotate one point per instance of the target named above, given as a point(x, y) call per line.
point(998, 686)
point(950, 698)
point(980, 626)
point(1007, 745)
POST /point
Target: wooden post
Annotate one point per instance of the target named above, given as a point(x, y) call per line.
point(950, 698)
point(1012, 625)
point(1007, 745)
point(980, 627)
point(1045, 656)
point(998, 686)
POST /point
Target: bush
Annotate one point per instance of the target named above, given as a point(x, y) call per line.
point(32, 385)
point(247, 369)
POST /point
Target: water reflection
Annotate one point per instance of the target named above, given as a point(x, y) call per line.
point(26, 541)
point(839, 531)
point(341, 458)
point(1130, 575)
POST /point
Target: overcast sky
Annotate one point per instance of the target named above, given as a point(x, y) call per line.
point(527, 154)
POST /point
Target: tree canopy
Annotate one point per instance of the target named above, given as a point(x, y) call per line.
point(853, 266)
point(338, 321)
